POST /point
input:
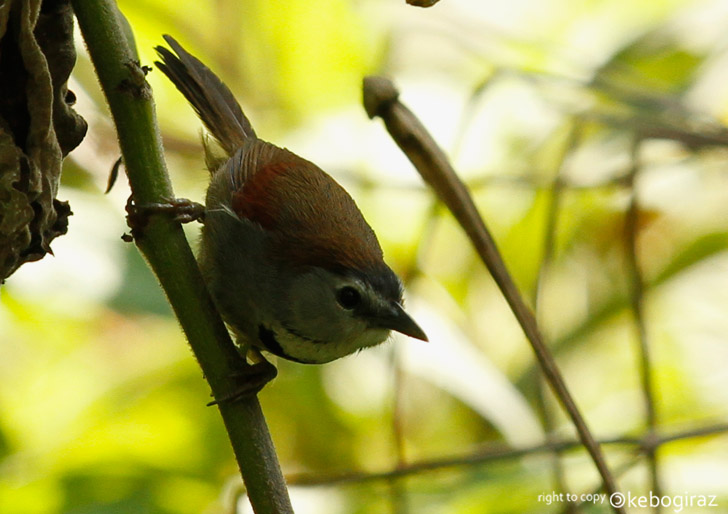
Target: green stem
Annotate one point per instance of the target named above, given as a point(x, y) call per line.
point(168, 253)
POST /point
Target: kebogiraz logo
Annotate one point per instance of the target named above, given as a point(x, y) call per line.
point(677, 502)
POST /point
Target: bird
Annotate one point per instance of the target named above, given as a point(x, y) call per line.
point(290, 262)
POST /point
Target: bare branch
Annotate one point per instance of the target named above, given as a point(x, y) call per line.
point(637, 293)
point(494, 452)
point(381, 98)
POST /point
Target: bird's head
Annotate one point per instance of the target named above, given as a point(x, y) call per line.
point(326, 314)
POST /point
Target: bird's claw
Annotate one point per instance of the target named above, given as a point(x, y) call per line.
point(181, 210)
point(248, 382)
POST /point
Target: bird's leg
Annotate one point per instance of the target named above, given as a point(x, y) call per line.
point(181, 210)
point(250, 379)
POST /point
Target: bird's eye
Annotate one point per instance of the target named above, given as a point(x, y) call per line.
point(348, 297)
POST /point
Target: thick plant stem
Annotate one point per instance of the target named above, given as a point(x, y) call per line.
point(162, 242)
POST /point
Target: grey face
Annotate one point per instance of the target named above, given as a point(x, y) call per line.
point(324, 315)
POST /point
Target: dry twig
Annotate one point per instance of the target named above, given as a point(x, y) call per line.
point(381, 99)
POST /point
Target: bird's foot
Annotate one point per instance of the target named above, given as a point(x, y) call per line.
point(181, 210)
point(249, 381)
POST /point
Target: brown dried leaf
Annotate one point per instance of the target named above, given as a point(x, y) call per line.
point(37, 126)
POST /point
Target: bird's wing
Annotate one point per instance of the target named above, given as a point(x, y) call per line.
point(302, 205)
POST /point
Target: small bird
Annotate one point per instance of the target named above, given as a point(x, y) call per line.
point(291, 264)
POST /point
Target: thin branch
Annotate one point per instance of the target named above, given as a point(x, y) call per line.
point(381, 99)
point(699, 250)
point(491, 453)
point(550, 230)
point(618, 470)
point(108, 37)
point(398, 489)
point(659, 440)
point(637, 293)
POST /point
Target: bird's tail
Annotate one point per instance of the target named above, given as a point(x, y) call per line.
point(212, 100)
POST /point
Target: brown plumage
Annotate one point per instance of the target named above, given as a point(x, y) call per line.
point(307, 212)
point(274, 187)
point(287, 255)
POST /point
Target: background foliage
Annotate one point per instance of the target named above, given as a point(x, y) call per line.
point(538, 104)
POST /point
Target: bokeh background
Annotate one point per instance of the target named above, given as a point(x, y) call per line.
point(590, 134)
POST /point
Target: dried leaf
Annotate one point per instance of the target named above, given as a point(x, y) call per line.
point(38, 127)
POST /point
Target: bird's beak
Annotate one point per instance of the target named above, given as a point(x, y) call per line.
point(395, 318)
